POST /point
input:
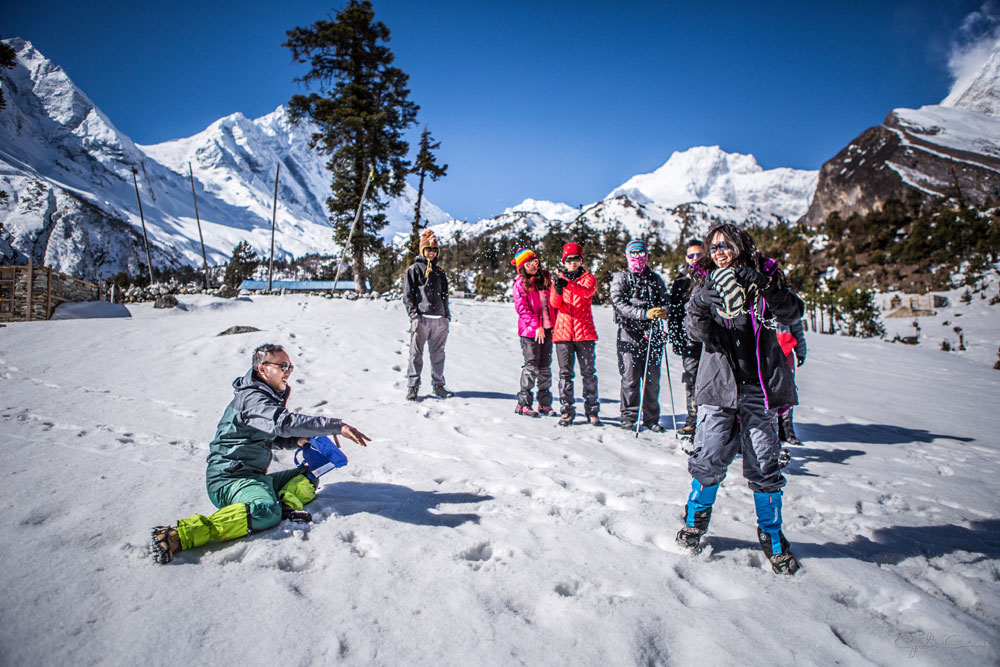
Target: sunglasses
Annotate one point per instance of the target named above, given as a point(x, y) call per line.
point(573, 258)
point(284, 366)
point(695, 255)
point(721, 245)
point(637, 253)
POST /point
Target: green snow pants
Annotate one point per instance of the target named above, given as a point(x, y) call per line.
point(245, 505)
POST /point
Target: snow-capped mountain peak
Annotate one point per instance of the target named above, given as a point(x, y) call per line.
point(980, 92)
point(709, 175)
point(549, 209)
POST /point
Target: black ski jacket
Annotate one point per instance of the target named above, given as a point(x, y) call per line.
point(716, 383)
point(425, 294)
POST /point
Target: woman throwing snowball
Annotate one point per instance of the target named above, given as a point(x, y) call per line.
point(744, 383)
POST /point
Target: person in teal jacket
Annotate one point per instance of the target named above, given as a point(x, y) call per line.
point(249, 499)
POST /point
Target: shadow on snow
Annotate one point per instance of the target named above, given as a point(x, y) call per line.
point(875, 434)
point(396, 502)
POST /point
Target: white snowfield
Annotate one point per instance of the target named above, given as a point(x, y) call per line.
point(467, 535)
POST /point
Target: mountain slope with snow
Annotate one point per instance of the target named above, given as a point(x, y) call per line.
point(72, 197)
point(466, 534)
point(936, 151)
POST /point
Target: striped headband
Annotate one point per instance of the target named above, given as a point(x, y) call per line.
point(636, 244)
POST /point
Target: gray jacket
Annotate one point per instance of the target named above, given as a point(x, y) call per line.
point(632, 295)
point(716, 383)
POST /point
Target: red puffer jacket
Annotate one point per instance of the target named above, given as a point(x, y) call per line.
point(574, 321)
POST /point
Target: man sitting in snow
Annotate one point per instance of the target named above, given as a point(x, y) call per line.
point(248, 498)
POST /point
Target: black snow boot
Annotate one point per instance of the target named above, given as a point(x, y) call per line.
point(782, 563)
point(443, 392)
point(411, 393)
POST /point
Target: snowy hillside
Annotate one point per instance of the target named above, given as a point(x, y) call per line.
point(709, 175)
point(73, 205)
point(468, 535)
point(235, 159)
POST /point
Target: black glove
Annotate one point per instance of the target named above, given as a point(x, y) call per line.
point(747, 276)
point(560, 284)
point(800, 360)
point(707, 297)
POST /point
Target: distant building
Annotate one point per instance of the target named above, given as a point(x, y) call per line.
point(301, 285)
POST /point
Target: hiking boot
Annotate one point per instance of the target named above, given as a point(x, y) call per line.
point(411, 393)
point(442, 392)
point(295, 516)
point(627, 425)
point(686, 431)
point(566, 420)
point(165, 543)
point(526, 411)
point(594, 420)
point(546, 411)
point(783, 562)
point(690, 538)
point(655, 428)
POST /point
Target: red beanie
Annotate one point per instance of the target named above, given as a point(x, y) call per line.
point(571, 249)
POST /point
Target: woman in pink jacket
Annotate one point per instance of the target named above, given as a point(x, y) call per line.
point(535, 319)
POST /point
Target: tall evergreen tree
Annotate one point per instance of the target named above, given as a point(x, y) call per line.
point(425, 165)
point(8, 59)
point(362, 109)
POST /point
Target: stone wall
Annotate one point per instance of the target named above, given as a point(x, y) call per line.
point(33, 292)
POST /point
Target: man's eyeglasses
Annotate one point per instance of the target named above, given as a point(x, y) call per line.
point(284, 366)
point(695, 255)
point(721, 245)
point(573, 258)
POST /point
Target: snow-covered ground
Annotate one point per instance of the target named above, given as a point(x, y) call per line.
point(468, 535)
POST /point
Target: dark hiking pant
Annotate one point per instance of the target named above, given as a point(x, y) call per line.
point(632, 366)
point(690, 378)
point(434, 333)
point(585, 352)
point(537, 370)
point(751, 429)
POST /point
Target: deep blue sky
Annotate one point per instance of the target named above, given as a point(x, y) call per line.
point(560, 100)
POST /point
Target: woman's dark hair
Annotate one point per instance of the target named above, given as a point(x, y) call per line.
point(745, 253)
point(541, 280)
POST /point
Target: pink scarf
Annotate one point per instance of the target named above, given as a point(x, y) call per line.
point(637, 264)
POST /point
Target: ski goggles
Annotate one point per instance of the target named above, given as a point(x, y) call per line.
point(573, 258)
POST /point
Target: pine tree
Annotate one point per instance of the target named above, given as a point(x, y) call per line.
point(8, 59)
point(425, 165)
point(362, 110)
point(241, 265)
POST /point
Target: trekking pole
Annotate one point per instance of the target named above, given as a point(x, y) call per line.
point(670, 386)
point(642, 383)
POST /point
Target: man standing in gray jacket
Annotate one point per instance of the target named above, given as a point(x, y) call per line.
point(639, 296)
point(425, 295)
